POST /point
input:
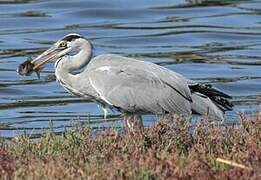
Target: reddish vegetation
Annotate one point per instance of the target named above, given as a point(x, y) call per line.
point(7, 164)
point(168, 150)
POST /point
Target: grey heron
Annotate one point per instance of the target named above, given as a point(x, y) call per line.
point(131, 86)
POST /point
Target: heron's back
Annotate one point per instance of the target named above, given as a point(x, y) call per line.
point(134, 85)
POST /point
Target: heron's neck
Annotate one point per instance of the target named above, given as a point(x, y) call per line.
point(68, 69)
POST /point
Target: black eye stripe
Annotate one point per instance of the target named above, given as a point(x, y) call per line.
point(71, 37)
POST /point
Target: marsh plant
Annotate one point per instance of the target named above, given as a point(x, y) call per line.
point(168, 150)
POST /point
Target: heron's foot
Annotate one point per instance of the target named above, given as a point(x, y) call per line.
point(134, 124)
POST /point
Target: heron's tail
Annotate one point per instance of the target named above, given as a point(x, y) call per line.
point(209, 100)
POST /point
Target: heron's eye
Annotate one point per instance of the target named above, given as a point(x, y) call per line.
point(63, 44)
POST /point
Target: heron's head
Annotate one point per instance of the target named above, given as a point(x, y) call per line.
point(69, 45)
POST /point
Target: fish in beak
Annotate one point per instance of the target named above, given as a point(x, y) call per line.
point(27, 68)
point(36, 65)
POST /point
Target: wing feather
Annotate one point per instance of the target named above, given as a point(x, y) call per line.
point(139, 87)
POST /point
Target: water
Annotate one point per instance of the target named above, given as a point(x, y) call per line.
point(208, 41)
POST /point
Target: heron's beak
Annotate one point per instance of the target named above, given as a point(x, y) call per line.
point(50, 55)
point(35, 65)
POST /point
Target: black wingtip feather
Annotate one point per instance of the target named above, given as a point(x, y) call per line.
point(221, 99)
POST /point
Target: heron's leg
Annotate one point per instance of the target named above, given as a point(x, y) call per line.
point(138, 123)
point(134, 123)
point(129, 122)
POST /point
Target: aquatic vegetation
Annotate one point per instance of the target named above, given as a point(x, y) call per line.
point(170, 149)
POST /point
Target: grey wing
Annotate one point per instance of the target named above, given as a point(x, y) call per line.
point(203, 105)
point(210, 101)
point(135, 89)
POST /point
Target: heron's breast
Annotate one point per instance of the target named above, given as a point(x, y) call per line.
point(70, 89)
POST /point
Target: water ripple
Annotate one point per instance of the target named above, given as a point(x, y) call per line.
point(216, 42)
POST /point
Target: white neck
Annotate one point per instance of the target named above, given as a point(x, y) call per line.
point(66, 67)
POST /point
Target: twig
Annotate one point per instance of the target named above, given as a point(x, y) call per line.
point(231, 163)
